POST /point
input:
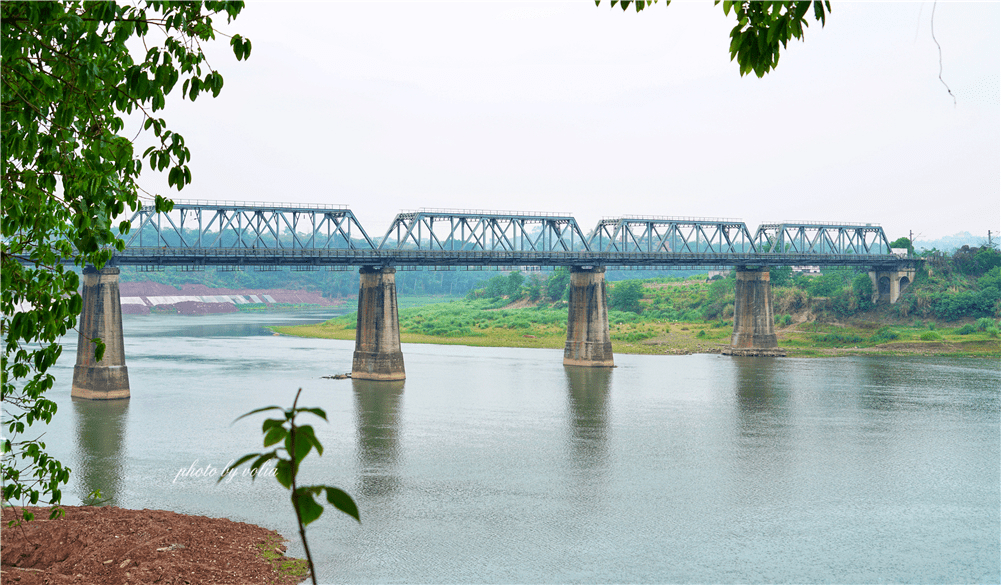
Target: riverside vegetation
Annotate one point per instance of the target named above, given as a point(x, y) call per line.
point(952, 308)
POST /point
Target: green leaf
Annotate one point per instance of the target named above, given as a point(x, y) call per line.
point(274, 435)
point(255, 467)
point(256, 410)
point(343, 502)
point(305, 433)
point(283, 473)
point(307, 507)
point(317, 411)
point(238, 463)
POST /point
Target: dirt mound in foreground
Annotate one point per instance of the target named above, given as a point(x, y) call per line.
point(112, 545)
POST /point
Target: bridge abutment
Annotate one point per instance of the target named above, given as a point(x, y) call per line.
point(753, 319)
point(377, 337)
point(101, 317)
point(588, 340)
point(888, 284)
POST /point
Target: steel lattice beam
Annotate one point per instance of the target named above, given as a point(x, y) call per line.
point(484, 231)
point(670, 235)
point(203, 233)
point(243, 226)
point(821, 239)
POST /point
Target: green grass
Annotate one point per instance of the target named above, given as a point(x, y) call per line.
point(282, 566)
point(822, 339)
point(481, 322)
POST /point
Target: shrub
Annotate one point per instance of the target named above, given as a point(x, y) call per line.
point(634, 336)
point(839, 338)
point(992, 331)
point(966, 329)
point(884, 334)
point(930, 336)
point(984, 323)
point(862, 286)
point(626, 295)
point(701, 334)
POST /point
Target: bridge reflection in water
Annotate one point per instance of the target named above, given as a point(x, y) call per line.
point(309, 237)
point(100, 430)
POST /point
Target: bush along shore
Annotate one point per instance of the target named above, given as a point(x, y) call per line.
point(945, 312)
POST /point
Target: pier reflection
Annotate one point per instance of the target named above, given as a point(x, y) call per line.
point(763, 443)
point(377, 409)
point(100, 437)
point(587, 397)
point(756, 390)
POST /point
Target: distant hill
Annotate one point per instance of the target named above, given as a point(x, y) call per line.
point(955, 241)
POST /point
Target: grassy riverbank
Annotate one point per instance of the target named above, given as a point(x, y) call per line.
point(494, 323)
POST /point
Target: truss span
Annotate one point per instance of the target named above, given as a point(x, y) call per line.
point(307, 237)
point(483, 231)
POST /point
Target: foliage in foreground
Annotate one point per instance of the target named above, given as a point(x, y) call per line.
point(761, 28)
point(296, 443)
point(69, 171)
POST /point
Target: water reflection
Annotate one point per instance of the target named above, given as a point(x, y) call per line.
point(587, 395)
point(100, 430)
point(763, 418)
point(756, 390)
point(876, 383)
point(377, 408)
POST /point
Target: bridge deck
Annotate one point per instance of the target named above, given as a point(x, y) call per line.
point(447, 258)
point(228, 234)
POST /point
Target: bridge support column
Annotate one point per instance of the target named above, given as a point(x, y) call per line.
point(377, 337)
point(888, 284)
point(753, 320)
point(588, 340)
point(101, 317)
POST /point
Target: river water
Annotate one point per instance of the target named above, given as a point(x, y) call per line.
point(501, 465)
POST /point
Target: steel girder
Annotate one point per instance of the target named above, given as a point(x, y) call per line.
point(333, 258)
point(670, 235)
point(821, 239)
point(203, 233)
point(247, 226)
point(484, 231)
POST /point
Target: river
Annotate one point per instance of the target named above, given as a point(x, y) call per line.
point(495, 465)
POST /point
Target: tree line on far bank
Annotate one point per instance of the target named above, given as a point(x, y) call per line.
point(964, 285)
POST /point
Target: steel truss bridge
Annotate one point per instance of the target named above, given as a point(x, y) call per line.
point(232, 235)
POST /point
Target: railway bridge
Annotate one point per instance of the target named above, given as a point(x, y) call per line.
point(237, 236)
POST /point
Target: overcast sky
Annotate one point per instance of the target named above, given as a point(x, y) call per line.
point(564, 106)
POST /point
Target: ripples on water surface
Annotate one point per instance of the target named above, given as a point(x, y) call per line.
point(500, 465)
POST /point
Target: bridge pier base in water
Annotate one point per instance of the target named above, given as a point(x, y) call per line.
point(101, 317)
point(888, 284)
point(377, 337)
point(588, 340)
point(753, 320)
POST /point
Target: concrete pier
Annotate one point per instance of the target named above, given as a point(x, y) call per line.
point(888, 284)
point(588, 340)
point(753, 320)
point(101, 317)
point(377, 338)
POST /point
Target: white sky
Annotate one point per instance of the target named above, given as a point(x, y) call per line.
point(564, 106)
